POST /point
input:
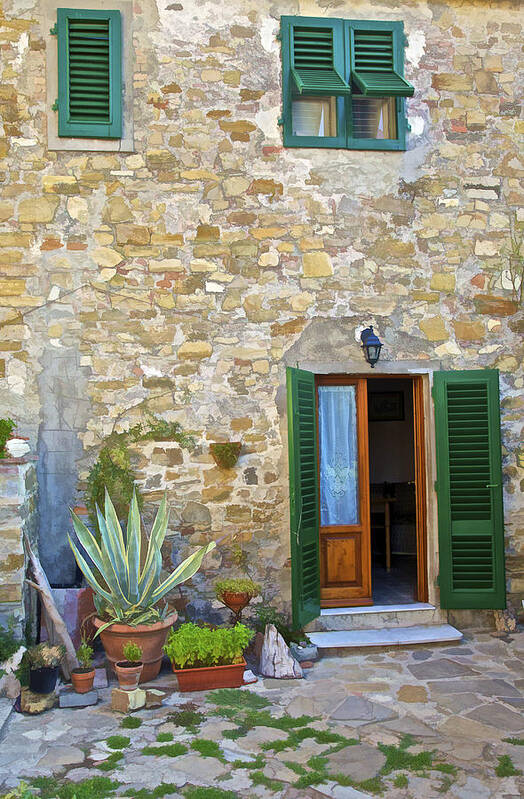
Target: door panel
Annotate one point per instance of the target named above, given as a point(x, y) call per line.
point(345, 552)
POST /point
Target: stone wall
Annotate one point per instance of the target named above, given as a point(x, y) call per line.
point(18, 498)
point(183, 276)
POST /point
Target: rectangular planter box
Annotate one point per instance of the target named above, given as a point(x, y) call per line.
point(210, 677)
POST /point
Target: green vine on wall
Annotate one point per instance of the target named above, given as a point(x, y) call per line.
point(113, 469)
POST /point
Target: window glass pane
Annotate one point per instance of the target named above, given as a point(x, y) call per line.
point(374, 117)
point(337, 423)
point(314, 116)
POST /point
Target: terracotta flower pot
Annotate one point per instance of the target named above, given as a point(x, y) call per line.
point(82, 680)
point(235, 601)
point(128, 674)
point(203, 679)
point(149, 637)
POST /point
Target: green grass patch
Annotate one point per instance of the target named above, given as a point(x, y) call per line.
point(118, 741)
point(401, 781)
point(164, 737)
point(258, 763)
point(445, 768)
point(445, 785)
point(207, 748)
point(298, 768)
point(237, 698)
point(209, 793)
point(111, 762)
point(156, 793)
point(92, 788)
point(296, 737)
point(398, 758)
point(187, 717)
point(506, 768)
point(131, 723)
point(171, 750)
point(259, 778)
point(263, 718)
point(514, 741)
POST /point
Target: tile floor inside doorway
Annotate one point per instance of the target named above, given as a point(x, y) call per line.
point(398, 587)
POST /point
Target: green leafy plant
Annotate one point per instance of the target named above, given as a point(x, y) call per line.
point(9, 641)
point(113, 469)
point(187, 717)
point(132, 653)
point(84, 654)
point(118, 741)
point(124, 590)
point(45, 656)
point(171, 750)
point(207, 748)
point(164, 737)
point(6, 429)
point(192, 647)
point(22, 791)
point(225, 454)
point(241, 585)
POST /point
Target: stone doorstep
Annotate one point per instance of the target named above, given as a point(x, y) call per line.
point(397, 636)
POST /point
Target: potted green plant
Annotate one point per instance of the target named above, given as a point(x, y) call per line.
point(6, 430)
point(225, 454)
point(44, 660)
point(204, 658)
point(83, 676)
point(236, 593)
point(128, 671)
point(128, 587)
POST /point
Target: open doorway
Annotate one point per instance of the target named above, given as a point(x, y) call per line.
point(393, 505)
point(371, 490)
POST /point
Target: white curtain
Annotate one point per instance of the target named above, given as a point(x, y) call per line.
point(338, 455)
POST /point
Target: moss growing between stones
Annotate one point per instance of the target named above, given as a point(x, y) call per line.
point(118, 741)
point(506, 768)
point(111, 762)
point(92, 788)
point(401, 781)
point(207, 748)
point(164, 737)
point(259, 778)
point(156, 793)
point(171, 750)
point(131, 723)
point(187, 717)
point(237, 698)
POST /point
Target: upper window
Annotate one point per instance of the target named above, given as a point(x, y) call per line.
point(89, 73)
point(343, 83)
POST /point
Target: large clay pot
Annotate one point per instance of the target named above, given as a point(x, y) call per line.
point(203, 679)
point(149, 637)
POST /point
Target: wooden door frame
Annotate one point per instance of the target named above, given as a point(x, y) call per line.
point(419, 454)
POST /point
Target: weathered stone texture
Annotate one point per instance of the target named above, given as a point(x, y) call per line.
point(184, 276)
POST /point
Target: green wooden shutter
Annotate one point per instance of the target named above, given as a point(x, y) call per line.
point(317, 59)
point(303, 491)
point(469, 489)
point(377, 59)
point(89, 73)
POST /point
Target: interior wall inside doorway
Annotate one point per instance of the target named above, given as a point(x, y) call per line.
point(391, 442)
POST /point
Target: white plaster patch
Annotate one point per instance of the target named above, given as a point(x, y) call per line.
point(489, 349)
point(417, 125)
point(53, 294)
point(267, 121)
point(216, 288)
point(416, 47)
point(449, 348)
point(268, 33)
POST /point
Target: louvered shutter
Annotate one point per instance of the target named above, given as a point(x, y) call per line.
point(89, 73)
point(469, 489)
point(317, 59)
point(303, 492)
point(377, 59)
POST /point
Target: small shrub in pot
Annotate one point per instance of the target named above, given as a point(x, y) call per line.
point(44, 661)
point(129, 670)
point(236, 593)
point(204, 658)
point(83, 677)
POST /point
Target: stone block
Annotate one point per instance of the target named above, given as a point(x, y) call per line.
point(154, 697)
point(194, 350)
point(317, 264)
point(434, 328)
point(36, 703)
point(68, 697)
point(127, 701)
point(443, 281)
point(39, 209)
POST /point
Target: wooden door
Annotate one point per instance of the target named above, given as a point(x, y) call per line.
point(345, 548)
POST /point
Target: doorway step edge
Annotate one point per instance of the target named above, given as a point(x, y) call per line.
point(377, 617)
point(399, 636)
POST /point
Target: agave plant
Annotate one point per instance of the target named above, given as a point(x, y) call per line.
point(124, 591)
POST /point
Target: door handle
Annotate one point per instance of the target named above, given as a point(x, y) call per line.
point(493, 485)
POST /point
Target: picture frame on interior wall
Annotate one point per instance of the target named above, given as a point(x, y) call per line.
point(386, 406)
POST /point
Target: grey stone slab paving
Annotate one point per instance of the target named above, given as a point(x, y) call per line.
point(440, 667)
point(360, 762)
point(497, 715)
point(356, 709)
point(499, 688)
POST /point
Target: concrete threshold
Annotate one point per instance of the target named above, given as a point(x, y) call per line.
point(389, 636)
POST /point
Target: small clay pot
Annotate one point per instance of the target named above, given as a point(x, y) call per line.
point(235, 601)
point(128, 674)
point(82, 680)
